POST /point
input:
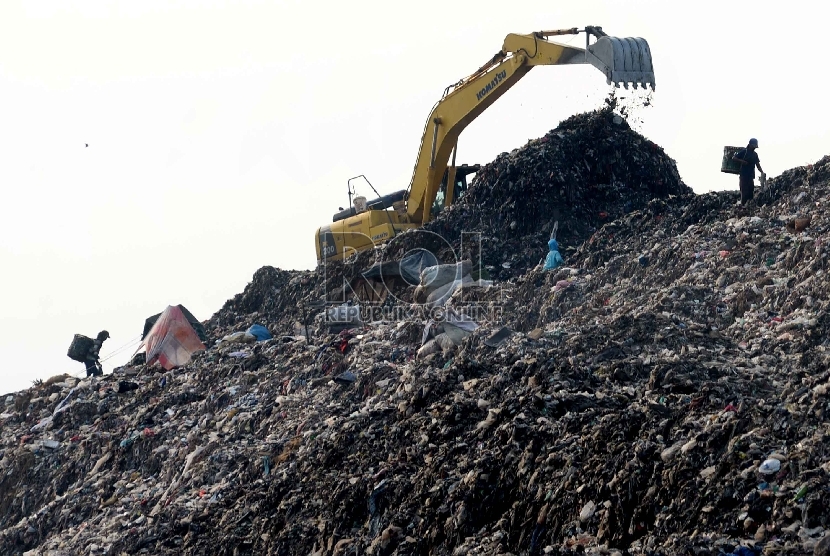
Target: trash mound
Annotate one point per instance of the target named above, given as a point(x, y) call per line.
point(590, 170)
point(650, 248)
point(666, 393)
point(817, 173)
point(285, 298)
point(273, 295)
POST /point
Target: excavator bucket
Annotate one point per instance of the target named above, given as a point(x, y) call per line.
point(623, 61)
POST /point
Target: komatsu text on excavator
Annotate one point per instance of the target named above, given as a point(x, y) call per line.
point(436, 183)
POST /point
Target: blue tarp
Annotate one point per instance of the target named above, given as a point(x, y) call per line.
point(260, 332)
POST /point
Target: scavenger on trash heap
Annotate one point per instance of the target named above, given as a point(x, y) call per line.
point(554, 258)
point(93, 364)
point(748, 159)
point(85, 350)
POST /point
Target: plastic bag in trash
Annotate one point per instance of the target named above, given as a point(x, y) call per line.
point(769, 467)
point(260, 332)
point(434, 277)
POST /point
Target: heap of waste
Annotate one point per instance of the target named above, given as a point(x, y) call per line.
point(664, 392)
point(590, 170)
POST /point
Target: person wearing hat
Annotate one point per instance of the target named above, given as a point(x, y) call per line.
point(93, 365)
point(748, 159)
point(554, 258)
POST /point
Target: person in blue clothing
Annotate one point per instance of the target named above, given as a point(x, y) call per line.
point(748, 159)
point(554, 259)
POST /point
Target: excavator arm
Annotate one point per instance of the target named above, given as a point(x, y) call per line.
point(623, 61)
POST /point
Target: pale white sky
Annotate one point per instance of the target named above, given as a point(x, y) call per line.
point(221, 134)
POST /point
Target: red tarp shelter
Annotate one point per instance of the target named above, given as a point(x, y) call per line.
point(172, 340)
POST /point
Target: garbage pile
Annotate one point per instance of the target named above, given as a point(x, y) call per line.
point(665, 391)
point(287, 299)
point(273, 295)
point(590, 170)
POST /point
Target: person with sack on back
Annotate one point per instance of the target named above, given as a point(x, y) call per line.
point(93, 365)
point(748, 159)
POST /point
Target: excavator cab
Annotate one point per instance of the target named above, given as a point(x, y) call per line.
point(448, 195)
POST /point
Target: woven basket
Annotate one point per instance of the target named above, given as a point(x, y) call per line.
point(727, 164)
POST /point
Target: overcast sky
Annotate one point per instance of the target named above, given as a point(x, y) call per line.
point(222, 134)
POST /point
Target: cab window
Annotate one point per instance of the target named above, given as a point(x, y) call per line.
point(438, 204)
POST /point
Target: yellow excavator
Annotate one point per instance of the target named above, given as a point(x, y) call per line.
point(436, 183)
